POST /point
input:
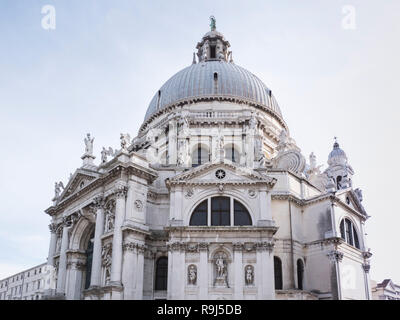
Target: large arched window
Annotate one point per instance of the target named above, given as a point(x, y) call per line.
point(200, 155)
point(161, 274)
point(300, 274)
point(231, 153)
point(199, 216)
point(220, 211)
point(278, 273)
point(89, 258)
point(348, 233)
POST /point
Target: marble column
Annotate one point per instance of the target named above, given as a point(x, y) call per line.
point(264, 274)
point(202, 272)
point(53, 243)
point(238, 271)
point(368, 294)
point(116, 266)
point(176, 274)
point(129, 270)
point(139, 272)
point(75, 268)
point(95, 279)
point(335, 258)
point(62, 267)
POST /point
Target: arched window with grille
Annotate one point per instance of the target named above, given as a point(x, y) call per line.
point(200, 155)
point(278, 273)
point(348, 233)
point(231, 153)
point(300, 274)
point(161, 274)
point(220, 211)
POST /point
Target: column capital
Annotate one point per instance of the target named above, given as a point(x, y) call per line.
point(53, 227)
point(176, 246)
point(335, 256)
point(99, 202)
point(366, 267)
point(203, 246)
point(265, 246)
point(238, 246)
point(120, 191)
point(76, 265)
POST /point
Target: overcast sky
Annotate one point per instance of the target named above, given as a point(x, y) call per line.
point(98, 70)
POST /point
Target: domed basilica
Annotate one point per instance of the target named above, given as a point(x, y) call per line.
point(212, 199)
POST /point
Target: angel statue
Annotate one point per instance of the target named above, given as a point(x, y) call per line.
point(89, 144)
point(57, 189)
point(125, 141)
point(105, 153)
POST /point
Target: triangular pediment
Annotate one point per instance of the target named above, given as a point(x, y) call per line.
point(78, 181)
point(221, 173)
point(351, 199)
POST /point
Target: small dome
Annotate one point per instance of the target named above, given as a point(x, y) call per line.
point(337, 156)
point(213, 79)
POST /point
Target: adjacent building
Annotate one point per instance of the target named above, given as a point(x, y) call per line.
point(386, 290)
point(26, 285)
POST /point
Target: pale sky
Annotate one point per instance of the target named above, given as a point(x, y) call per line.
point(98, 70)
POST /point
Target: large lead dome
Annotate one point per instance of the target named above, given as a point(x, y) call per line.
point(217, 79)
point(214, 77)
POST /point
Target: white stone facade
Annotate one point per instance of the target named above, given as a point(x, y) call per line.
point(212, 200)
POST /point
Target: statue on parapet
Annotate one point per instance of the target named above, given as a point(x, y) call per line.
point(88, 144)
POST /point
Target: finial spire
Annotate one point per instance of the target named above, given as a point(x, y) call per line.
point(336, 144)
point(213, 23)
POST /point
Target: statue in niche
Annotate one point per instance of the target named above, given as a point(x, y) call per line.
point(88, 144)
point(192, 274)
point(249, 275)
point(220, 263)
point(110, 216)
point(184, 125)
point(221, 271)
point(58, 243)
point(253, 122)
point(106, 261)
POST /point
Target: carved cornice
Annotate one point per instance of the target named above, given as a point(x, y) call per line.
point(333, 240)
point(178, 104)
point(183, 178)
point(113, 174)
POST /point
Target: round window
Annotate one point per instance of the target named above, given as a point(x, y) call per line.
point(220, 174)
